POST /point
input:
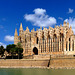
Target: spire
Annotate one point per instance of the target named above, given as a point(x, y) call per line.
point(55, 26)
point(43, 28)
point(68, 24)
point(40, 27)
point(60, 25)
point(33, 29)
point(70, 27)
point(16, 32)
point(27, 29)
point(64, 23)
point(21, 28)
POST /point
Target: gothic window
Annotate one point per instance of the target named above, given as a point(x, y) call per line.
point(37, 40)
point(66, 46)
point(58, 46)
point(53, 47)
point(45, 45)
point(69, 39)
point(73, 45)
point(69, 46)
point(39, 45)
point(30, 40)
point(41, 48)
point(49, 44)
point(61, 41)
point(43, 38)
point(27, 48)
point(54, 43)
point(25, 41)
point(30, 37)
point(20, 39)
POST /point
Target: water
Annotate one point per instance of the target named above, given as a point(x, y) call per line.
point(37, 72)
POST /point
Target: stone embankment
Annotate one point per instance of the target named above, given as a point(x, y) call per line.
point(62, 62)
point(50, 62)
point(22, 63)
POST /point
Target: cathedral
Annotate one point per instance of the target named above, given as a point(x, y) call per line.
point(52, 41)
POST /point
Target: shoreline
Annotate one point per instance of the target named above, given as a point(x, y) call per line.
point(38, 67)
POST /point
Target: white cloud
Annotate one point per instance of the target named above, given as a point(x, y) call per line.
point(2, 44)
point(70, 10)
point(60, 18)
point(39, 18)
point(39, 11)
point(71, 21)
point(9, 38)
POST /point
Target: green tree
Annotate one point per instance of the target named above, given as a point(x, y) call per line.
point(13, 52)
point(13, 49)
point(19, 45)
point(2, 50)
point(19, 51)
point(9, 47)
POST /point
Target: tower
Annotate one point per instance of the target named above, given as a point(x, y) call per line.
point(16, 37)
point(21, 29)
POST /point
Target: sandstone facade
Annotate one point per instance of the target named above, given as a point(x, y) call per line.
point(53, 41)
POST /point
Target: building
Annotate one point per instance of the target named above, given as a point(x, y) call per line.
point(54, 41)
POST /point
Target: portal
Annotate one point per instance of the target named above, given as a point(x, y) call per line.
point(35, 51)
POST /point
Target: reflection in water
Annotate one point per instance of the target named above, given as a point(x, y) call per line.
point(37, 72)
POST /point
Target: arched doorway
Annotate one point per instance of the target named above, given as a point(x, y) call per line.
point(35, 51)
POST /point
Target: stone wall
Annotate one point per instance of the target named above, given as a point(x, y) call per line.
point(62, 63)
point(23, 63)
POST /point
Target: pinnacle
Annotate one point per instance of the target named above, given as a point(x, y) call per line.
point(21, 28)
point(16, 32)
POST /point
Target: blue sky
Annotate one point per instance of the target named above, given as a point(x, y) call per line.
point(51, 12)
